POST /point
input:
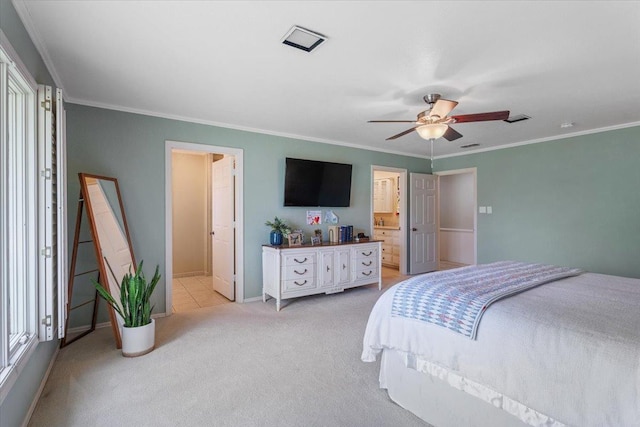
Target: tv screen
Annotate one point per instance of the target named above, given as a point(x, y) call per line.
point(315, 183)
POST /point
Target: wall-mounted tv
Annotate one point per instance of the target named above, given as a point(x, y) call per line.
point(316, 183)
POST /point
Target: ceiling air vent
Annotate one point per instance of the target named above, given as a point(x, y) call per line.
point(470, 145)
point(517, 118)
point(303, 39)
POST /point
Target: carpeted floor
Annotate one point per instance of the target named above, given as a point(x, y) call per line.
point(230, 365)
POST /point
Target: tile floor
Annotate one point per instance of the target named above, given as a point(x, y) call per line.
point(190, 293)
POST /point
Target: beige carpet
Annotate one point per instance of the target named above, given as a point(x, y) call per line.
point(230, 365)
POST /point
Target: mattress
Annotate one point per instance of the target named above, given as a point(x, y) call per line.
point(564, 353)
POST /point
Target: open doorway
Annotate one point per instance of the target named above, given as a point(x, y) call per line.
point(203, 226)
point(457, 218)
point(389, 215)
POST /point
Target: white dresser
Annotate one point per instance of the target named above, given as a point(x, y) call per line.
point(291, 272)
point(390, 238)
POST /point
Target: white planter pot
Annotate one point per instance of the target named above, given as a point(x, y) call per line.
point(139, 340)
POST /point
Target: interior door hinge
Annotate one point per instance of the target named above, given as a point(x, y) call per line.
point(46, 174)
point(46, 104)
point(47, 320)
point(46, 252)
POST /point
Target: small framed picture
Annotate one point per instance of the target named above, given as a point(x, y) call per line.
point(295, 239)
point(316, 240)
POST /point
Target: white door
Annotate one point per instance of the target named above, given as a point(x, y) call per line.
point(113, 240)
point(223, 233)
point(422, 223)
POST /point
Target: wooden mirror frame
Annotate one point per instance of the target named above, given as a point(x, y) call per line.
point(106, 277)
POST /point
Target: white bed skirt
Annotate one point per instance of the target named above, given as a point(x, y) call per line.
point(435, 401)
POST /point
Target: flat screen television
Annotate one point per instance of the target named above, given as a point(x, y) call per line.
point(316, 183)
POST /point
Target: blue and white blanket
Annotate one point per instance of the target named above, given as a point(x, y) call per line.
point(456, 299)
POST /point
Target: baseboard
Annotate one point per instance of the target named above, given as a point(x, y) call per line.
point(36, 397)
point(254, 299)
point(189, 274)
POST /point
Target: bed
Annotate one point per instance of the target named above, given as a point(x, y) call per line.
point(565, 352)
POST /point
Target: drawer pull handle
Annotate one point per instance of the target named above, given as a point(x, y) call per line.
point(300, 273)
point(300, 262)
point(369, 254)
point(367, 274)
point(300, 284)
point(344, 266)
point(327, 268)
point(367, 264)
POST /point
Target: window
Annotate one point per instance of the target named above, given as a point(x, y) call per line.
point(19, 253)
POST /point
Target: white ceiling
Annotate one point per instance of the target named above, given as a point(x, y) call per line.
point(223, 63)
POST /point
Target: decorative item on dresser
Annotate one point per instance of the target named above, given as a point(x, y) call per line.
point(390, 238)
point(278, 230)
point(291, 272)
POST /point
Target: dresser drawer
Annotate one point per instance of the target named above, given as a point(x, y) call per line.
point(299, 258)
point(302, 271)
point(366, 252)
point(298, 284)
point(366, 273)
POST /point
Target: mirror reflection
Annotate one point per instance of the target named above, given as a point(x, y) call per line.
point(110, 235)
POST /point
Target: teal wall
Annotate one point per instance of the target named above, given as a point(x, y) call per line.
point(131, 147)
point(14, 408)
point(573, 201)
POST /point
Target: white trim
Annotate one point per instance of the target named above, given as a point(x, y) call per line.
point(9, 375)
point(238, 153)
point(254, 299)
point(404, 210)
point(238, 127)
point(36, 397)
point(14, 61)
point(341, 143)
point(23, 12)
point(474, 172)
point(545, 139)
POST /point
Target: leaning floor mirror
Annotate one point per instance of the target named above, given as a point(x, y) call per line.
point(111, 238)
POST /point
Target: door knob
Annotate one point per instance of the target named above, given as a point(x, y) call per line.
point(212, 233)
point(414, 229)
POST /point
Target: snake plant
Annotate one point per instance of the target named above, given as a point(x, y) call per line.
point(135, 294)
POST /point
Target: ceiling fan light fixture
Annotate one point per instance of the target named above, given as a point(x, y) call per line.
point(432, 131)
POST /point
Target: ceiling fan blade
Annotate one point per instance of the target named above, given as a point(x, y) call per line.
point(481, 117)
point(442, 107)
point(401, 134)
point(391, 121)
point(451, 134)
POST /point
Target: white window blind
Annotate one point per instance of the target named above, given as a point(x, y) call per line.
point(52, 221)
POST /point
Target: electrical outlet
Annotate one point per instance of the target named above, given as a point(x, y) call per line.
point(489, 210)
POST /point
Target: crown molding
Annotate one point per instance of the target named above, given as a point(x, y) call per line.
point(546, 139)
point(236, 127)
point(23, 12)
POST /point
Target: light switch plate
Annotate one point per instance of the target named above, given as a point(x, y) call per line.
point(489, 210)
point(482, 209)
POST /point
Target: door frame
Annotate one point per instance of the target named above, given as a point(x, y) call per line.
point(238, 202)
point(404, 210)
point(474, 172)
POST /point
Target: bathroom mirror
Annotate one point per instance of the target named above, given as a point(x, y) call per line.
point(111, 238)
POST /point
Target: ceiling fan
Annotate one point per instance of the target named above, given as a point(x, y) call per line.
point(434, 123)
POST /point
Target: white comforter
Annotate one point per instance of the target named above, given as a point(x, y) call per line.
point(569, 349)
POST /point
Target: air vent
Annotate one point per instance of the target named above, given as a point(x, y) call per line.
point(303, 39)
point(517, 118)
point(470, 145)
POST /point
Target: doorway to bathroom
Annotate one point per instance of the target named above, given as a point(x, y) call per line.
point(203, 225)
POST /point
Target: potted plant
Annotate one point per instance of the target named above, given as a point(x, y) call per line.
point(278, 230)
point(138, 332)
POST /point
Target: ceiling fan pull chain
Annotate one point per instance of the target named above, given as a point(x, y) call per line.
point(431, 154)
